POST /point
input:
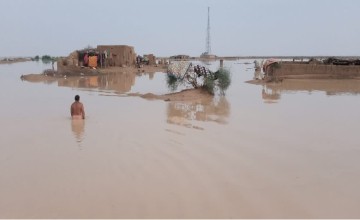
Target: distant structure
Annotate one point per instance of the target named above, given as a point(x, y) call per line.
point(180, 57)
point(207, 54)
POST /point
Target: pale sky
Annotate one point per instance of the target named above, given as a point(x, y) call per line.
point(168, 27)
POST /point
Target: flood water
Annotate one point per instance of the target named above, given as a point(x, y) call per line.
point(283, 151)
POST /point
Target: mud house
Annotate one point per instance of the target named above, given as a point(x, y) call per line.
point(150, 58)
point(101, 57)
point(118, 55)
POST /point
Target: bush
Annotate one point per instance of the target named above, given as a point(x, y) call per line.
point(198, 77)
point(223, 79)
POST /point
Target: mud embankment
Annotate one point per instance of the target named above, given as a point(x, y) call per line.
point(14, 60)
point(184, 95)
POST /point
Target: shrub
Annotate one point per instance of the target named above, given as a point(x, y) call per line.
point(182, 73)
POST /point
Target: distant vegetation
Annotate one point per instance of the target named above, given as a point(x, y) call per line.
point(45, 58)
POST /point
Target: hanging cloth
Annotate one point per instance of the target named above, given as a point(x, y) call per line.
point(93, 61)
point(86, 59)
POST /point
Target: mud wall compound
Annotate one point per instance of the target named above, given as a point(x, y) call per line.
point(291, 70)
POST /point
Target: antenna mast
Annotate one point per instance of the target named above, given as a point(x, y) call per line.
point(208, 40)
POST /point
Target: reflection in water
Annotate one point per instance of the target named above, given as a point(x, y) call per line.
point(119, 82)
point(78, 129)
point(271, 92)
point(151, 76)
point(182, 113)
point(270, 95)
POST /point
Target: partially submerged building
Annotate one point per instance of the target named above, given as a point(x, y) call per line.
point(101, 57)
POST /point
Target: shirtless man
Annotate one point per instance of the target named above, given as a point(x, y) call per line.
point(77, 109)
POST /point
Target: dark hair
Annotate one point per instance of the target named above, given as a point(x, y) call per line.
point(77, 98)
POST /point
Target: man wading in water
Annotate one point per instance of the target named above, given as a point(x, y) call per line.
point(77, 109)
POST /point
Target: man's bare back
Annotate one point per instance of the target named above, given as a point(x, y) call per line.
point(77, 109)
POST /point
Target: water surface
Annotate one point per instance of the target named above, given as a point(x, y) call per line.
point(284, 151)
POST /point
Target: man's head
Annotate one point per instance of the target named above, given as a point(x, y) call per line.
point(77, 98)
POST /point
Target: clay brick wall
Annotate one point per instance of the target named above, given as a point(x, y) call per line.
point(121, 55)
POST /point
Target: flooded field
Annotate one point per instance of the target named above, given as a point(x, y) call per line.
point(289, 150)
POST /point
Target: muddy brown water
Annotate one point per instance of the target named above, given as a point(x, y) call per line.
point(283, 151)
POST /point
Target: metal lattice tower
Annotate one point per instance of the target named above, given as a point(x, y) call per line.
point(208, 40)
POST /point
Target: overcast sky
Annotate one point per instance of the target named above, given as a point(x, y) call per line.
point(168, 27)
